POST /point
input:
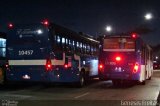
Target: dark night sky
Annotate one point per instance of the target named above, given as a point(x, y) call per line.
point(88, 16)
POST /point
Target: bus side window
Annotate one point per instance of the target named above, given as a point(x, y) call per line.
point(77, 47)
point(73, 45)
point(58, 39)
point(143, 55)
point(63, 40)
point(92, 49)
point(63, 44)
point(88, 48)
point(69, 45)
point(58, 42)
point(84, 48)
point(66, 45)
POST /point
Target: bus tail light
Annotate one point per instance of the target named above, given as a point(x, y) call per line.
point(134, 35)
point(10, 25)
point(7, 65)
point(135, 69)
point(101, 66)
point(48, 65)
point(118, 58)
point(45, 22)
point(66, 66)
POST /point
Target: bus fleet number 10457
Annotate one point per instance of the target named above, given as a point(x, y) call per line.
point(25, 52)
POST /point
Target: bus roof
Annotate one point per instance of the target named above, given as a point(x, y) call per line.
point(72, 34)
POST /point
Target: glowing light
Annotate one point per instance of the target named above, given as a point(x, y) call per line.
point(108, 28)
point(134, 35)
point(66, 66)
point(48, 65)
point(46, 23)
point(10, 25)
point(100, 66)
point(39, 31)
point(136, 66)
point(148, 16)
point(118, 58)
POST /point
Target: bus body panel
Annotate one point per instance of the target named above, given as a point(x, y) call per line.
point(122, 69)
point(134, 55)
point(29, 48)
point(37, 74)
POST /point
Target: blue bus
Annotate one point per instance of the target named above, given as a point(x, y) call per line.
point(2, 56)
point(47, 52)
point(125, 58)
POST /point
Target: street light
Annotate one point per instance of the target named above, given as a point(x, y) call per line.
point(148, 16)
point(108, 28)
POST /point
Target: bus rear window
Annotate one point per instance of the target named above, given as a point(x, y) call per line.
point(27, 35)
point(119, 43)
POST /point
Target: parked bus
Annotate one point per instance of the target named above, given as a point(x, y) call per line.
point(125, 58)
point(2, 56)
point(47, 52)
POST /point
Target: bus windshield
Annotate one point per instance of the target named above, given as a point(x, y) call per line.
point(28, 35)
point(118, 43)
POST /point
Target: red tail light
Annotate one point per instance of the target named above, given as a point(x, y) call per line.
point(118, 58)
point(10, 25)
point(100, 66)
point(45, 22)
point(7, 65)
point(135, 69)
point(48, 65)
point(66, 66)
point(134, 35)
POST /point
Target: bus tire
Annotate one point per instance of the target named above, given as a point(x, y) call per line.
point(81, 81)
point(101, 79)
point(143, 82)
point(150, 78)
point(115, 82)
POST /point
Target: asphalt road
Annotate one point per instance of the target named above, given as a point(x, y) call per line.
point(94, 94)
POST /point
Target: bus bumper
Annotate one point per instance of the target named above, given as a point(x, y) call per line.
point(39, 74)
point(121, 76)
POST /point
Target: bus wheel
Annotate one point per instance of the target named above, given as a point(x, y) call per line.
point(101, 79)
point(143, 83)
point(81, 81)
point(150, 78)
point(115, 82)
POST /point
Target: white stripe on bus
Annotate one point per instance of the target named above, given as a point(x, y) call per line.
point(37, 62)
point(119, 50)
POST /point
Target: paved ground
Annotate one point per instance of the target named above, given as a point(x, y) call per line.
point(96, 93)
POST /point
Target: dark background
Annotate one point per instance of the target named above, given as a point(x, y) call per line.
point(88, 16)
